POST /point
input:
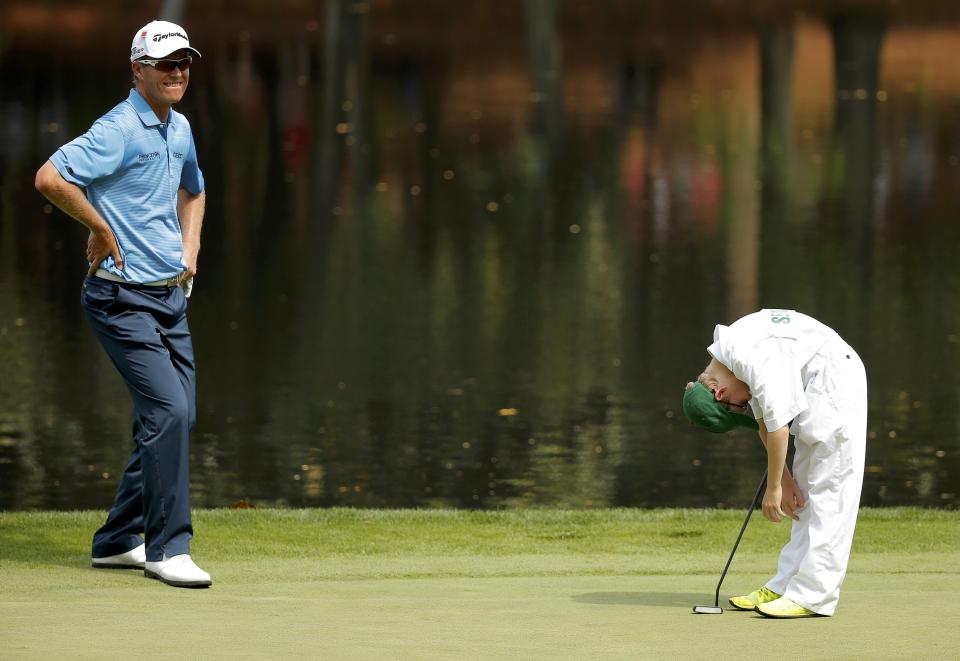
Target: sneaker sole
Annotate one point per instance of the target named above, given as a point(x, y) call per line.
point(177, 584)
point(789, 617)
point(113, 565)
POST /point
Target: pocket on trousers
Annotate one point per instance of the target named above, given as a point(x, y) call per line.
point(821, 420)
point(98, 294)
point(825, 476)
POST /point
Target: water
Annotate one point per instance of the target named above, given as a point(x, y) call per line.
point(449, 260)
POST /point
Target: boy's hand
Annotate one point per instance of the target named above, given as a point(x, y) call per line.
point(771, 503)
point(792, 501)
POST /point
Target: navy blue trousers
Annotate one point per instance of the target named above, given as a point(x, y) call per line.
point(144, 331)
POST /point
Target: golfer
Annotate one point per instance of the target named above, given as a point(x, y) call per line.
point(134, 182)
point(783, 373)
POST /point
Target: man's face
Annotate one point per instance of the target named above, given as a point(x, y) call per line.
point(159, 87)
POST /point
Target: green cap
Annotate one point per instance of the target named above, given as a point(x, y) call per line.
point(704, 411)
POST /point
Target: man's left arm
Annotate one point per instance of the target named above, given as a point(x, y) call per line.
point(190, 210)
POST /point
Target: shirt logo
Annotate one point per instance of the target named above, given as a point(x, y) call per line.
point(150, 156)
point(178, 154)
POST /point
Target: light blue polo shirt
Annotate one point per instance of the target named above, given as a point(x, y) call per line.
point(131, 165)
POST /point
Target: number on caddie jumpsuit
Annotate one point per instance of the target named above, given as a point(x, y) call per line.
point(780, 316)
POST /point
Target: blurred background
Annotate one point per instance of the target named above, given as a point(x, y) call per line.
point(469, 253)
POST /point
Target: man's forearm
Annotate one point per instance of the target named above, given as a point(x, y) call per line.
point(190, 209)
point(69, 198)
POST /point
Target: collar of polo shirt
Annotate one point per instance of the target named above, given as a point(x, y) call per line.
point(147, 116)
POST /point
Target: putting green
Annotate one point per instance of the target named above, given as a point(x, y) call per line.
point(441, 592)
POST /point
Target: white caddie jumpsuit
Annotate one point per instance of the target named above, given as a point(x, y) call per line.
point(802, 371)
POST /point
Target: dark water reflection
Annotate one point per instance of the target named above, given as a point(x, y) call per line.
point(474, 265)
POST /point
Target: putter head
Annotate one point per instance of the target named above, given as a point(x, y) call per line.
point(707, 610)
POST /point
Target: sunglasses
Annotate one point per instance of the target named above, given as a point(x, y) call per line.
point(736, 408)
point(167, 66)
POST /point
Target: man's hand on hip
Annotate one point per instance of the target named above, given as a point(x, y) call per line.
point(100, 245)
point(191, 261)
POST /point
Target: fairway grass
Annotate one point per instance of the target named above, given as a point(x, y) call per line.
point(441, 584)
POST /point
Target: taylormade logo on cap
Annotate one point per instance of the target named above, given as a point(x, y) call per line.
point(157, 39)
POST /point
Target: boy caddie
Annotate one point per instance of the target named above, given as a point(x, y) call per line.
point(784, 373)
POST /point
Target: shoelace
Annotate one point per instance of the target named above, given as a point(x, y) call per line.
point(181, 559)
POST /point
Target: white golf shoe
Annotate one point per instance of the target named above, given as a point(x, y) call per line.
point(179, 571)
point(132, 559)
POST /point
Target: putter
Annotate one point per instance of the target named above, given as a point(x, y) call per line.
point(715, 609)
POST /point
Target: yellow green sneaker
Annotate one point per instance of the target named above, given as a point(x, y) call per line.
point(784, 608)
point(750, 601)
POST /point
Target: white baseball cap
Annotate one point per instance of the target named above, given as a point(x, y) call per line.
point(157, 39)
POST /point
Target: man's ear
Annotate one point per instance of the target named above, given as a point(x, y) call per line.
point(136, 67)
point(719, 393)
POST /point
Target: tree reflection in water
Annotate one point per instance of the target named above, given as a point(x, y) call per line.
point(468, 254)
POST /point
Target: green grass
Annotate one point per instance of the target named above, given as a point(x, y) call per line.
point(348, 584)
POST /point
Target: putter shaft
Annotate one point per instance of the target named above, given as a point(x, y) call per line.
point(753, 504)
